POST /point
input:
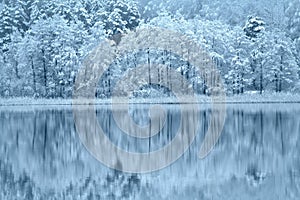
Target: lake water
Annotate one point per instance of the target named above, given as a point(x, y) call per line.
point(256, 157)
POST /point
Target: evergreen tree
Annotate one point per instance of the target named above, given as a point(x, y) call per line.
point(30, 11)
point(257, 67)
point(5, 77)
point(292, 13)
point(282, 62)
point(6, 27)
point(254, 26)
point(119, 17)
point(293, 19)
point(236, 76)
point(27, 50)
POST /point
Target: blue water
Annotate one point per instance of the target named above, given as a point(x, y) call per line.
point(256, 157)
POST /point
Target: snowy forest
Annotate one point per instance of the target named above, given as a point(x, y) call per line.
point(254, 44)
point(54, 144)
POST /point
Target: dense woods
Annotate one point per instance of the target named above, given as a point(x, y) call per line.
point(255, 46)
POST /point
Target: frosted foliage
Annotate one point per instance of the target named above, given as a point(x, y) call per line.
point(43, 43)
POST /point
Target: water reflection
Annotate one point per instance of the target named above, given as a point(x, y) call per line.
point(257, 156)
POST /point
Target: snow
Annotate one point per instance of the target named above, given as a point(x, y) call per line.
point(250, 97)
point(42, 44)
point(259, 28)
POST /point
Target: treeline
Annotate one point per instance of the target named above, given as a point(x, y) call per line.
point(42, 44)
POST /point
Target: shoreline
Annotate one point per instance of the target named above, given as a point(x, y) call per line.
point(283, 98)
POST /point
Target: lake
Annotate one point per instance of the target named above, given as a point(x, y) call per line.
point(256, 157)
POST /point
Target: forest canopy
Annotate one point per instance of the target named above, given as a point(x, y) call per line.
point(255, 46)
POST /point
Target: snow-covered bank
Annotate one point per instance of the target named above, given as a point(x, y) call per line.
point(245, 98)
point(264, 98)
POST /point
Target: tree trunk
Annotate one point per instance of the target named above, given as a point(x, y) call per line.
point(149, 67)
point(280, 75)
point(45, 72)
point(33, 76)
point(261, 79)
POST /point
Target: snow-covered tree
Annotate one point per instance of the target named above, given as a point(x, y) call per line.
point(5, 77)
point(26, 54)
point(67, 48)
point(120, 16)
point(254, 26)
point(43, 42)
point(153, 8)
point(6, 26)
point(292, 13)
point(54, 54)
point(29, 11)
point(236, 76)
point(13, 62)
point(282, 62)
